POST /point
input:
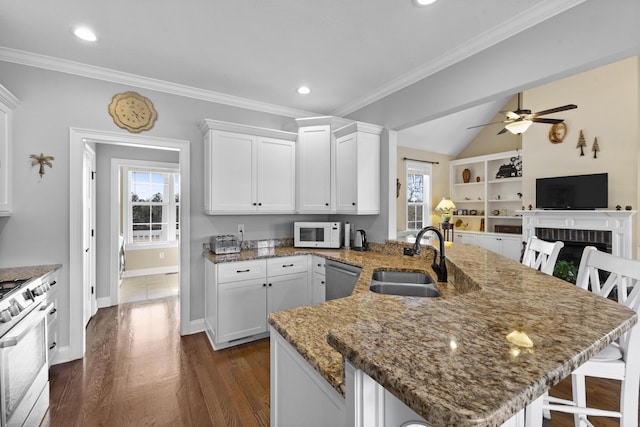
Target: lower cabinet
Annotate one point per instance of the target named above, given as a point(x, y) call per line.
point(504, 244)
point(319, 280)
point(240, 295)
point(299, 395)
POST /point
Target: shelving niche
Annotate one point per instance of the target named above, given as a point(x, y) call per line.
point(488, 200)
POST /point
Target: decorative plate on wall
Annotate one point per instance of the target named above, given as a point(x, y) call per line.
point(132, 111)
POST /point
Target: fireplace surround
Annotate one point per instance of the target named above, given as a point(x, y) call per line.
point(610, 231)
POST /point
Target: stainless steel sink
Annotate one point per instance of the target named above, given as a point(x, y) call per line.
point(404, 283)
point(401, 277)
point(405, 289)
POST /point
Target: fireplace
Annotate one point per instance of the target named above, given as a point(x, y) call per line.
point(575, 241)
point(609, 231)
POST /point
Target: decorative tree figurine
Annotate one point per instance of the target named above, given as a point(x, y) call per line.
point(581, 143)
point(595, 148)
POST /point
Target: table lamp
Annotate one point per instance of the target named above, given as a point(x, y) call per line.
point(445, 206)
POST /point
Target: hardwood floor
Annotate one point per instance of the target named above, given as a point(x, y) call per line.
point(139, 371)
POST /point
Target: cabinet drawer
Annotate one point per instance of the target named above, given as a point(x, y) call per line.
point(286, 265)
point(245, 270)
point(319, 264)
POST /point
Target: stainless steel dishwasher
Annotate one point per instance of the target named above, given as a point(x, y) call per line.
point(341, 279)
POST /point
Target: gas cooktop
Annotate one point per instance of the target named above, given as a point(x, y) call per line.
point(9, 286)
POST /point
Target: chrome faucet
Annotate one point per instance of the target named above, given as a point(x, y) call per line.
point(441, 267)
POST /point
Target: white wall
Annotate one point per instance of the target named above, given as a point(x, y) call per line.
point(51, 103)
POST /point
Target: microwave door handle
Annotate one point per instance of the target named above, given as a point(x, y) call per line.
point(16, 334)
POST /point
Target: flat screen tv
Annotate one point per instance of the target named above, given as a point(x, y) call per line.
point(573, 192)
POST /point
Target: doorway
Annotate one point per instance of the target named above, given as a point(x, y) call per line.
point(148, 217)
point(77, 291)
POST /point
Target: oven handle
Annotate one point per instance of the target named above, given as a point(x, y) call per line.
point(17, 333)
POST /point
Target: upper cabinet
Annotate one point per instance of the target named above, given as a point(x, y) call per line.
point(358, 169)
point(248, 169)
point(7, 103)
point(487, 192)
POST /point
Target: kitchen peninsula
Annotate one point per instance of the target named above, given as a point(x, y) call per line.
point(451, 360)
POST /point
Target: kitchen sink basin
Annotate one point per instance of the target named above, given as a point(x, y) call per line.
point(404, 283)
point(405, 289)
point(401, 277)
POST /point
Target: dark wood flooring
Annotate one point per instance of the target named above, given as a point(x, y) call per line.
point(139, 371)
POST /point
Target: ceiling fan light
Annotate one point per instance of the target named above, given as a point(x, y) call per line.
point(422, 3)
point(519, 126)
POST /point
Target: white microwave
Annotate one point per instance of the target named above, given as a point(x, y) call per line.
point(317, 234)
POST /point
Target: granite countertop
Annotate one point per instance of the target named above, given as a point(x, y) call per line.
point(27, 272)
point(449, 358)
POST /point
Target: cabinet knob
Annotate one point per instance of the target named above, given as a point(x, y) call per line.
point(270, 284)
point(259, 204)
point(264, 284)
point(326, 204)
point(255, 204)
point(322, 283)
point(353, 204)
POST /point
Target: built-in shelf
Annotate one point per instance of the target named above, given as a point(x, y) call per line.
point(501, 180)
point(470, 183)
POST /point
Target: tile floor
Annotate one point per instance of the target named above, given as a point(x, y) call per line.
point(144, 288)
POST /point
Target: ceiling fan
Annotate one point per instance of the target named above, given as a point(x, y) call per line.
point(518, 121)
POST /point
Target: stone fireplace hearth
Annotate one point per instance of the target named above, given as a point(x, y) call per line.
point(609, 231)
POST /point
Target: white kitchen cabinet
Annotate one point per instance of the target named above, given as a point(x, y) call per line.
point(53, 323)
point(508, 246)
point(466, 238)
point(314, 168)
point(358, 169)
point(7, 103)
point(240, 295)
point(248, 170)
point(242, 309)
point(319, 283)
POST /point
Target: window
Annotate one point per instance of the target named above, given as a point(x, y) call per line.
point(418, 195)
point(153, 205)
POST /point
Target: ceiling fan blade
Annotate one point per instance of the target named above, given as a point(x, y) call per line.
point(502, 131)
point(550, 121)
point(555, 110)
point(512, 115)
point(486, 124)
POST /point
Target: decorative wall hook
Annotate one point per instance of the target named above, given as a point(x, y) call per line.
point(42, 160)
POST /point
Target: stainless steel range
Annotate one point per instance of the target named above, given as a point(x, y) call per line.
point(24, 366)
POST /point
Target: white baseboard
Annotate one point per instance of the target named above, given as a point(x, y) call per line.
point(151, 271)
point(62, 356)
point(195, 326)
point(104, 302)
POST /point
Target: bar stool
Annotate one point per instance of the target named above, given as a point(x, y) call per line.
point(620, 360)
point(541, 255)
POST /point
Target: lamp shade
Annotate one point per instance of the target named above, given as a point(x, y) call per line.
point(445, 205)
point(519, 126)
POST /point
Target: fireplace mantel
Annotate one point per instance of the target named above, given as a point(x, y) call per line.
point(619, 223)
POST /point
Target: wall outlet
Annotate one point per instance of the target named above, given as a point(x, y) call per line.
point(161, 255)
point(241, 229)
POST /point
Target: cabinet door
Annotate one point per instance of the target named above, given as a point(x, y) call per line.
point(490, 242)
point(287, 292)
point(232, 162)
point(468, 239)
point(314, 169)
point(276, 175)
point(318, 288)
point(241, 309)
point(346, 185)
point(512, 247)
point(5, 153)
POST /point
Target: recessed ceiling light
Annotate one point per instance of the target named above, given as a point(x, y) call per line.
point(304, 90)
point(421, 3)
point(85, 34)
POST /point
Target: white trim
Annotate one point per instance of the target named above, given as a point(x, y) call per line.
point(104, 302)
point(150, 271)
point(99, 73)
point(8, 98)
point(207, 124)
point(61, 356)
point(427, 208)
point(537, 13)
point(77, 138)
point(195, 326)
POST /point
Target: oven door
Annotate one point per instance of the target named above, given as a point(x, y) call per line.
point(24, 376)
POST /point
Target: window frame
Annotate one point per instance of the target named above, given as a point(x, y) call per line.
point(425, 169)
point(172, 169)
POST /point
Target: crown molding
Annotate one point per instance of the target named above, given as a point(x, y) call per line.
point(526, 19)
point(99, 73)
point(208, 124)
point(7, 98)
